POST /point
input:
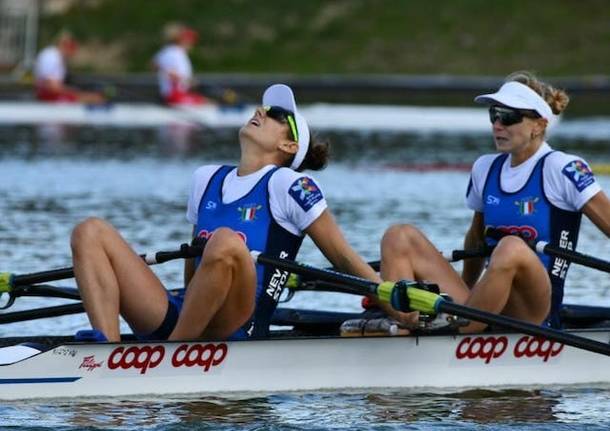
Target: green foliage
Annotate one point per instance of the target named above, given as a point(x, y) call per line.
point(470, 37)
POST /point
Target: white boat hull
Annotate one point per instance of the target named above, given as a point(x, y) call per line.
point(79, 370)
point(319, 116)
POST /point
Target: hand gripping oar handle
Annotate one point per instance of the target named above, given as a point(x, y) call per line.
point(551, 250)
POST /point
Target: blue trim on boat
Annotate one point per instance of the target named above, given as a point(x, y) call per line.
point(39, 380)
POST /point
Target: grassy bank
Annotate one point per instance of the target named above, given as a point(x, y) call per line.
point(467, 37)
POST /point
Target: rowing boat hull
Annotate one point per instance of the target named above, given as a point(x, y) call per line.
point(440, 361)
point(320, 116)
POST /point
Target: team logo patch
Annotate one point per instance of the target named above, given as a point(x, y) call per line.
point(579, 173)
point(527, 206)
point(305, 192)
point(248, 213)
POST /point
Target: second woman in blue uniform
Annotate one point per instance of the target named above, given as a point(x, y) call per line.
point(527, 189)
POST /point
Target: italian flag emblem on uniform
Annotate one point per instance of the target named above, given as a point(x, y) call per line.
point(526, 206)
point(248, 213)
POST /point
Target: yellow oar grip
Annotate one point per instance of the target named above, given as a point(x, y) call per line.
point(416, 297)
point(422, 300)
point(293, 281)
point(5, 282)
point(384, 291)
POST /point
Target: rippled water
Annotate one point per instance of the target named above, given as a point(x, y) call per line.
point(52, 178)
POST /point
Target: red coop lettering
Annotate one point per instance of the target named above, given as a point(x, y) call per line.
point(139, 357)
point(537, 347)
point(486, 348)
point(200, 355)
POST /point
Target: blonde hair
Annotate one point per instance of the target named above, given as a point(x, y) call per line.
point(172, 30)
point(557, 98)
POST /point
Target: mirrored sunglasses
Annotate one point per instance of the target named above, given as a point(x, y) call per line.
point(283, 116)
point(509, 116)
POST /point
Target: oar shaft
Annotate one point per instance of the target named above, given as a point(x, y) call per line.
point(41, 313)
point(42, 276)
point(524, 327)
point(49, 291)
point(450, 256)
point(185, 251)
point(572, 256)
point(552, 250)
point(351, 283)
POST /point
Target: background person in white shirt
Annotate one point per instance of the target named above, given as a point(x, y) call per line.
point(50, 73)
point(174, 69)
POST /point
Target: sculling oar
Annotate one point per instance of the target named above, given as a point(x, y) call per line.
point(298, 282)
point(551, 250)
point(451, 255)
point(412, 295)
point(42, 313)
point(21, 285)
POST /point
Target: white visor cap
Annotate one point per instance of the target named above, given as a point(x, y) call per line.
point(281, 95)
point(513, 94)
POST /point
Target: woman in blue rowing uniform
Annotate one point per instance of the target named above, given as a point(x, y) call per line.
point(264, 204)
point(529, 189)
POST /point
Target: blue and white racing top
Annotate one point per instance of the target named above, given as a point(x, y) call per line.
point(541, 199)
point(269, 209)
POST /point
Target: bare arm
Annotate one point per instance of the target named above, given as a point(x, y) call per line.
point(598, 211)
point(328, 237)
point(330, 240)
point(475, 238)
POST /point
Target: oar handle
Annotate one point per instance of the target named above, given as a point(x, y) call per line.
point(457, 255)
point(551, 250)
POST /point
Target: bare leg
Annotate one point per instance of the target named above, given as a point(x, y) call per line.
point(113, 279)
point(515, 284)
point(221, 295)
point(407, 254)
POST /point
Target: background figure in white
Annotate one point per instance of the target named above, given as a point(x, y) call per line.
point(174, 69)
point(50, 73)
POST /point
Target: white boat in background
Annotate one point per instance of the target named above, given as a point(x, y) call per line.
point(321, 116)
point(292, 363)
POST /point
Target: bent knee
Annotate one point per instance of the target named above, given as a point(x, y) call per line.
point(90, 229)
point(512, 251)
point(400, 238)
point(225, 244)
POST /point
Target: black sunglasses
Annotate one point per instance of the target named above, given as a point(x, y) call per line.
point(509, 116)
point(283, 116)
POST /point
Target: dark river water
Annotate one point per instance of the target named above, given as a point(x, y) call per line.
point(52, 177)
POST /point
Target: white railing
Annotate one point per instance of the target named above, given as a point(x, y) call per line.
point(18, 34)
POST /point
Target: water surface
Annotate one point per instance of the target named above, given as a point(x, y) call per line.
point(139, 179)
